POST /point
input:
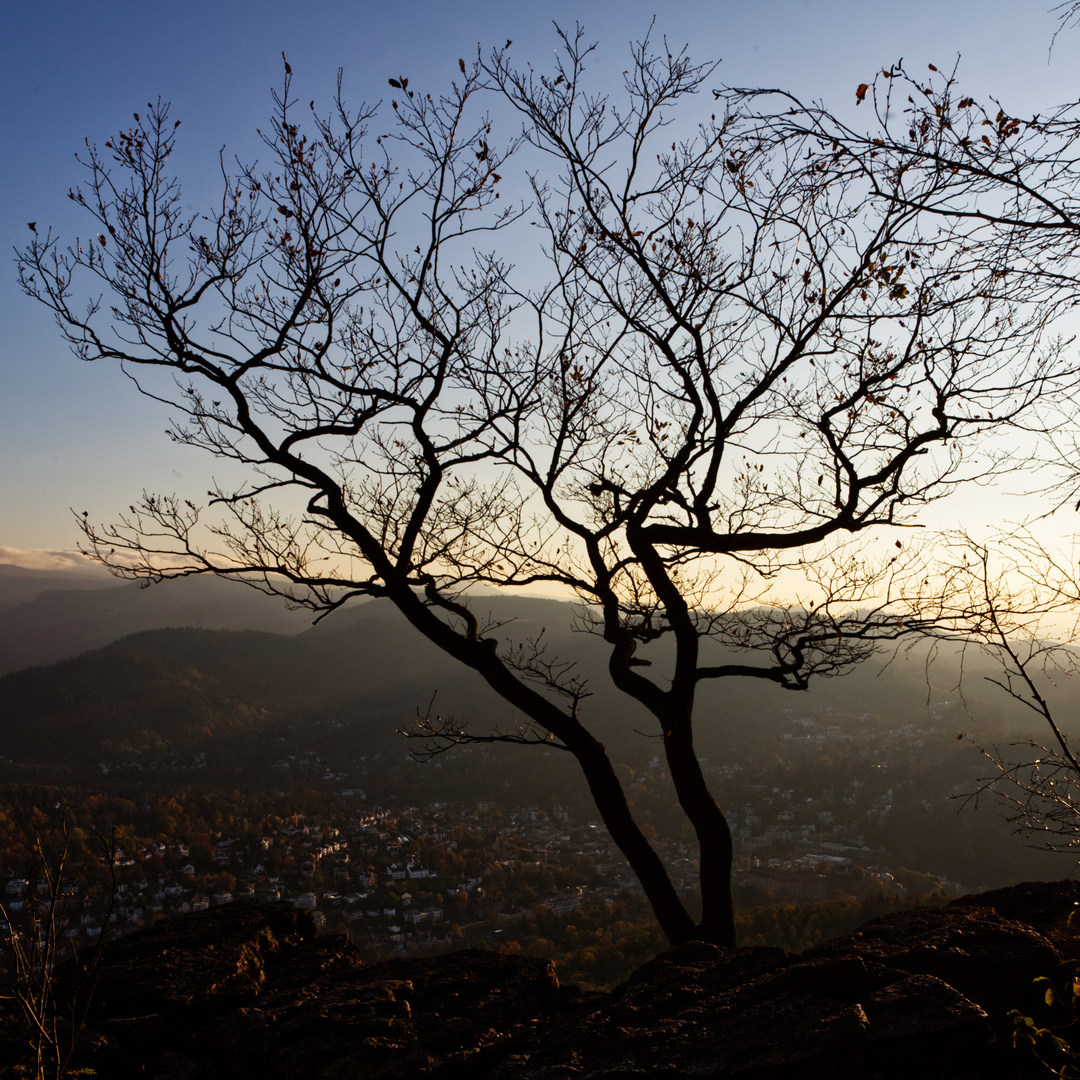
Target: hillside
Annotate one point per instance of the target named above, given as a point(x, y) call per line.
point(248, 990)
point(187, 690)
point(189, 687)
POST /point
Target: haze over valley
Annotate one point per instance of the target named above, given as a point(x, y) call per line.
point(845, 792)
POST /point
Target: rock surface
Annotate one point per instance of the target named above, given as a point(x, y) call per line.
point(249, 991)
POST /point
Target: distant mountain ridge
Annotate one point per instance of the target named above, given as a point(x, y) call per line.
point(187, 688)
point(51, 616)
point(203, 665)
point(322, 709)
point(19, 584)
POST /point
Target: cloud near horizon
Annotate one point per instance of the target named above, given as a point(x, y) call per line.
point(46, 559)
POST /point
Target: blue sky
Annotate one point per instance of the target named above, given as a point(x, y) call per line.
point(78, 435)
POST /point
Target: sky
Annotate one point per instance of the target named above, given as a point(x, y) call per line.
point(78, 436)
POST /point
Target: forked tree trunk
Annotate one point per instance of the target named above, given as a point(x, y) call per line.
point(711, 828)
point(715, 849)
point(714, 837)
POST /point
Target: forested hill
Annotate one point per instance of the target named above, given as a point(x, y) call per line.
point(368, 659)
point(192, 690)
point(175, 693)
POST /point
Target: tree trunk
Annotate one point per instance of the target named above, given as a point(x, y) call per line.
point(715, 849)
point(610, 799)
point(607, 792)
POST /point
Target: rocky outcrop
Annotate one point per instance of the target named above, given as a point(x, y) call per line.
point(249, 991)
point(922, 993)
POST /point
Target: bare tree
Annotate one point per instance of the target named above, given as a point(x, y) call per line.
point(1002, 189)
point(41, 939)
point(1017, 602)
point(719, 367)
point(1068, 16)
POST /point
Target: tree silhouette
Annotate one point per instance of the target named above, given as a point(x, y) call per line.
point(1005, 197)
point(716, 367)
